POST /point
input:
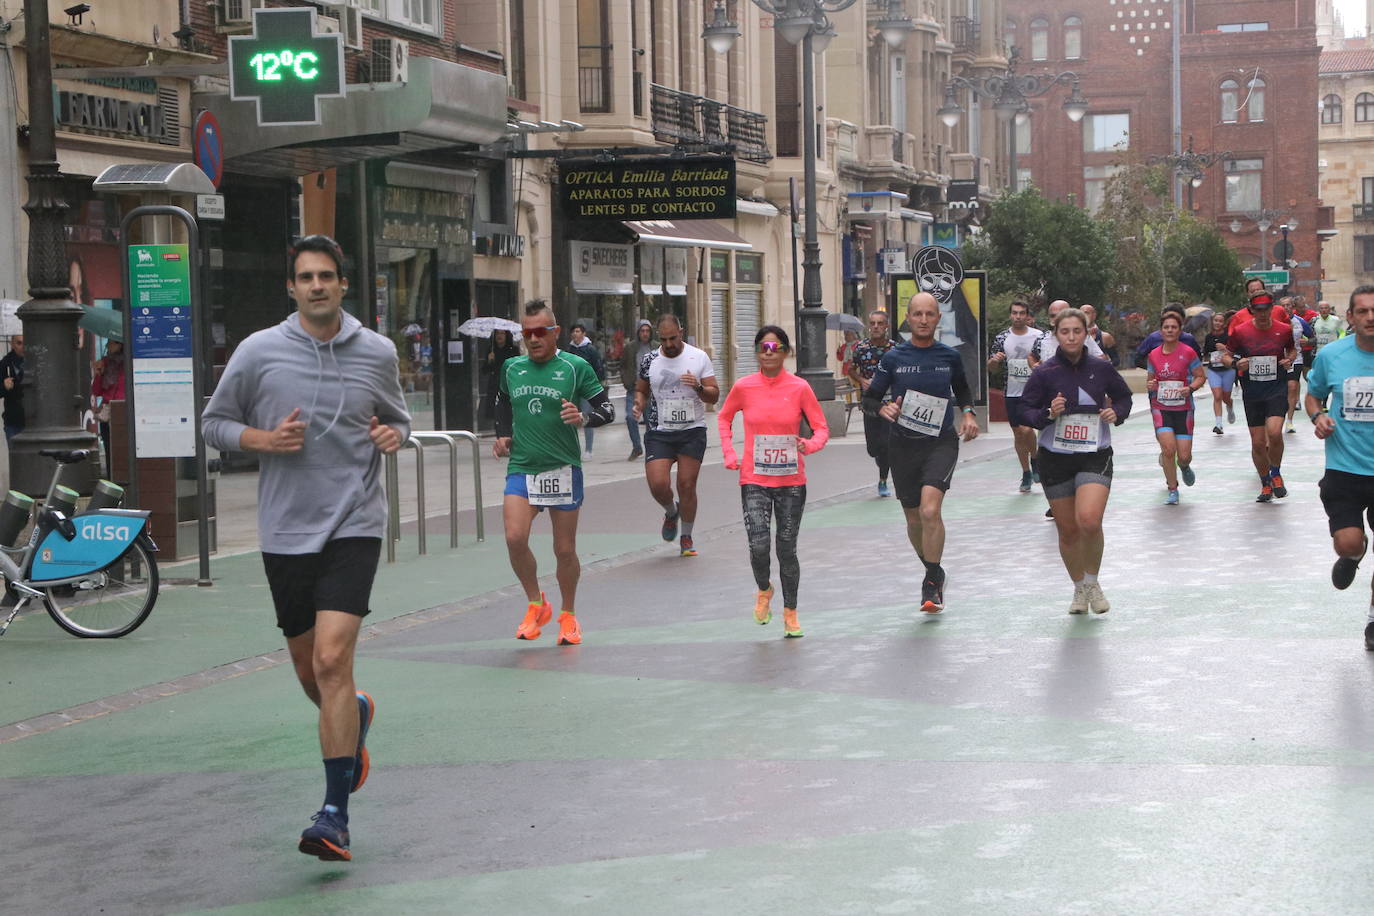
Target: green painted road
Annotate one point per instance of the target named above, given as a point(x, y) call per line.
point(1206, 747)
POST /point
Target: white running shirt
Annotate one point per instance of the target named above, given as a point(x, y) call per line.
point(676, 406)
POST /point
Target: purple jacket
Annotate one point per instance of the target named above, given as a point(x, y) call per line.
point(1095, 381)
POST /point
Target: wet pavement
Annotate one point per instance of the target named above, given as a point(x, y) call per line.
point(1207, 746)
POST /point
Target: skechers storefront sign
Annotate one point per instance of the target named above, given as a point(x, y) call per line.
point(120, 117)
point(674, 189)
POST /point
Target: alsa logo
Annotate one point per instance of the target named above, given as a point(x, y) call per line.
point(104, 531)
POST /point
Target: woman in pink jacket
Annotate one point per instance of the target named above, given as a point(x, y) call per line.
point(772, 474)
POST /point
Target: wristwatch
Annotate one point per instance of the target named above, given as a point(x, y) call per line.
point(700, 388)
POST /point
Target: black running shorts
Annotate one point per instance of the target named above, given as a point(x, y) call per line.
point(1348, 499)
point(685, 443)
point(1258, 412)
point(921, 461)
point(1062, 474)
point(338, 578)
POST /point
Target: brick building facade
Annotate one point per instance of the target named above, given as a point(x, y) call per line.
point(1247, 80)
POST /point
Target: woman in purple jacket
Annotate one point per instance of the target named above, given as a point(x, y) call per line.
point(1074, 399)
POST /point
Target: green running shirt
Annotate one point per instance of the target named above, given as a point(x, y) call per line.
point(536, 391)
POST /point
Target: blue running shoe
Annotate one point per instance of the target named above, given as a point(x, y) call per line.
point(1188, 474)
point(1172, 499)
point(1025, 481)
point(669, 531)
point(1035, 471)
point(367, 708)
point(327, 838)
point(883, 490)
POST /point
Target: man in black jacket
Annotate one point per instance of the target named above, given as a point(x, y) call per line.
point(12, 380)
point(581, 345)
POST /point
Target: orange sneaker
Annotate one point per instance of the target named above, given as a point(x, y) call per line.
point(539, 613)
point(569, 630)
point(762, 612)
point(790, 628)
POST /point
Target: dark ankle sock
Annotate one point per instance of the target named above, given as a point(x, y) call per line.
point(934, 571)
point(338, 782)
point(1274, 470)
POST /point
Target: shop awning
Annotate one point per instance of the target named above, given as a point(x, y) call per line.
point(696, 233)
point(442, 105)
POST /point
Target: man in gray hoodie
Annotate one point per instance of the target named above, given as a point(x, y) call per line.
point(318, 397)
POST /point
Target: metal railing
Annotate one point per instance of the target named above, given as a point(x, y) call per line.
point(1364, 211)
point(594, 78)
point(393, 489)
point(680, 117)
point(965, 31)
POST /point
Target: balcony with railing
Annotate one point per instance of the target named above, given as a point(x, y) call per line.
point(680, 117)
point(964, 33)
point(1364, 211)
point(594, 78)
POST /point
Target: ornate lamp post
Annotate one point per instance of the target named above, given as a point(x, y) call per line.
point(1191, 166)
point(1011, 90)
point(52, 402)
point(805, 21)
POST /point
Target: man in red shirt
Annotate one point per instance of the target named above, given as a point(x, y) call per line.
point(1253, 287)
point(1262, 352)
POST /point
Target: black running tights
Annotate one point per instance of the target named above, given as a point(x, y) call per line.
point(760, 504)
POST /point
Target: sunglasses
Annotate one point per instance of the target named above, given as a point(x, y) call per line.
point(770, 346)
point(540, 332)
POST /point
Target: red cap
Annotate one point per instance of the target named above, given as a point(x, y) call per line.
point(1264, 300)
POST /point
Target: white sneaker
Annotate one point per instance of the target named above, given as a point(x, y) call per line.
point(1079, 605)
point(1230, 413)
point(1097, 602)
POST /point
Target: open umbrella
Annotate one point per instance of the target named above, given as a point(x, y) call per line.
point(487, 325)
point(842, 321)
point(102, 322)
point(1199, 318)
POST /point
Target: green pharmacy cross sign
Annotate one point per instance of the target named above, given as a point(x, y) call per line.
point(285, 67)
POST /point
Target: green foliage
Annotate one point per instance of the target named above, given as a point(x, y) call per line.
point(1202, 268)
point(1032, 245)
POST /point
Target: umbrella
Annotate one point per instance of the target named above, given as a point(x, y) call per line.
point(841, 321)
point(102, 322)
point(487, 325)
point(1199, 317)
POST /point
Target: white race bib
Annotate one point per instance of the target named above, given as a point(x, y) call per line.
point(1018, 370)
point(775, 456)
point(1263, 368)
point(679, 413)
point(922, 413)
point(551, 488)
point(1077, 432)
point(1324, 338)
point(1357, 399)
point(1172, 393)
point(1215, 360)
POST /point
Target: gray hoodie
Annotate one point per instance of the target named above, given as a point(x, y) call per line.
point(332, 488)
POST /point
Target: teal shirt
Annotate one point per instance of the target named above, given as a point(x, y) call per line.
point(1340, 370)
point(541, 441)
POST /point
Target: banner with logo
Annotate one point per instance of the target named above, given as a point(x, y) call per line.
point(602, 267)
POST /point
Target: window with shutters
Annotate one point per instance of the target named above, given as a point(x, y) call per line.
point(787, 98)
point(170, 104)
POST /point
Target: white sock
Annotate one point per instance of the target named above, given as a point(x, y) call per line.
point(1090, 578)
point(1078, 582)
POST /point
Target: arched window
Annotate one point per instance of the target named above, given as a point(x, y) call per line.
point(1040, 39)
point(1009, 33)
point(1364, 107)
point(1230, 101)
point(1073, 38)
point(1331, 109)
point(1254, 109)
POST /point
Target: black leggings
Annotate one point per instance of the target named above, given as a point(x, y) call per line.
point(759, 505)
point(877, 433)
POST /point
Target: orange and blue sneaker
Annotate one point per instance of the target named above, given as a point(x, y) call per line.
point(762, 610)
point(569, 630)
point(790, 628)
point(685, 546)
point(538, 614)
point(362, 763)
point(1266, 494)
point(1276, 481)
point(327, 838)
point(669, 530)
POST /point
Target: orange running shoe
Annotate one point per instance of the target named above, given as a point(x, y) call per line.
point(790, 628)
point(762, 612)
point(539, 613)
point(1276, 482)
point(569, 630)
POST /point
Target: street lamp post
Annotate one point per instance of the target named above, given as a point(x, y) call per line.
point(1011, 91)
point(1264, 219)
point(52, 401)
point(1190, 165)
point(806, 22)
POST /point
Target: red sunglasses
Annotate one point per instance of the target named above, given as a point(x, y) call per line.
point(540, 332)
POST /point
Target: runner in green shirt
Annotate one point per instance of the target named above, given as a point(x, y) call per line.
point(537, 419)
point(1328, 327)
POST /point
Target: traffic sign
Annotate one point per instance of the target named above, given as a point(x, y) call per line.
point(1270, 277)
point(208, 148)
point(286, 67)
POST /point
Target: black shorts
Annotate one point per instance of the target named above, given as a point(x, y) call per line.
point(338, 578)
point(921, 461)
point(1348, 499)
point(1259, 411)
point(682, 443)
point(877, 433)
point(1013, 411)
point(1061, 474)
